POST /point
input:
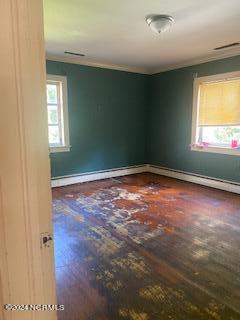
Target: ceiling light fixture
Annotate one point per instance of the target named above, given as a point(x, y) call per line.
point(159, 22)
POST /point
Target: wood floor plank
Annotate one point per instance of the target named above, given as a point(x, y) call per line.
point(146, 247)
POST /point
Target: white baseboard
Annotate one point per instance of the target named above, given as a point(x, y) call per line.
point(97, 175)
point(198, 179)
point(118, 172)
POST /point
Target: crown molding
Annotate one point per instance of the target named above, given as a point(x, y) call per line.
point(84, 62)
point(193, 62)
point(150, 71)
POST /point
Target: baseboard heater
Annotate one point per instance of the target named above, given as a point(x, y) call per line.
point(197, 179)
point(97, 175)
point(176, 174)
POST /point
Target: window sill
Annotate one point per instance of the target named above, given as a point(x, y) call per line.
point(210, 149)
point(59, 149)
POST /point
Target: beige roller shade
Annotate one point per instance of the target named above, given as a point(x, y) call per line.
point(219, 103)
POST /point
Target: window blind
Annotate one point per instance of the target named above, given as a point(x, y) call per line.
point(219, 103)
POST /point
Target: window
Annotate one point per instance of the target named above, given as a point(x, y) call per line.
point(216, 114)
point(58, 133)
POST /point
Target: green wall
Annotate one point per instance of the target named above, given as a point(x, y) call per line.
point(120, 119)
point(107, 111)
point(170, 121)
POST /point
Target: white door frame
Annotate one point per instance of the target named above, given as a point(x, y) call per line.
point(26, 269)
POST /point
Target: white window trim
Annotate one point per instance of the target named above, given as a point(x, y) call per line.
point(196, 83)
point(66, 147)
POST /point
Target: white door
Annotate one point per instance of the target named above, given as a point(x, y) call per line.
point(26, 269)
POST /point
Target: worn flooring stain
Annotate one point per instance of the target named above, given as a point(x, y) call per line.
point(146, 247)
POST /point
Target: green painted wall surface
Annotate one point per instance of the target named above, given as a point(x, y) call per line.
point(170, 123)
point(106, 119)
point(120, 119)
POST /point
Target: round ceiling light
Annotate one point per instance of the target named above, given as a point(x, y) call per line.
point(159, 22)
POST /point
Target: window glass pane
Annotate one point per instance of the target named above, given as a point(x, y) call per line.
point(220, 135)
point(58, 135)
point(52, 114)
point(51, 93)
point(54, 135)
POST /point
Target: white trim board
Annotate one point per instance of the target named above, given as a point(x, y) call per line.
point(118, 172)
point(96, 64)
point(97, 175)
point(197, 179)
point(228, 53)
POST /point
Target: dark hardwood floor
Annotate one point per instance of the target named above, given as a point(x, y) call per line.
point(146, 247)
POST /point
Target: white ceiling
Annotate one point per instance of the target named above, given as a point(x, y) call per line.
point(114, 33)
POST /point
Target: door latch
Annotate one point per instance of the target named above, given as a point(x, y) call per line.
point(46, 240)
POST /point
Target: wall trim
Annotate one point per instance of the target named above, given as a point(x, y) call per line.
point(124, 171)
point(228, 53)
point(195, 178)
point(96, 64)
point(97, 175)
point(193, 62)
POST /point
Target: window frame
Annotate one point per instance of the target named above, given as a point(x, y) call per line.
point(64, 125)
point(195, 109)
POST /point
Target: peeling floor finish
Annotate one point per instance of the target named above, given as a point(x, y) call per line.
point(146, 247)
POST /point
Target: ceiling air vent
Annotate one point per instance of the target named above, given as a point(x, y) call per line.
point(234, 44)
point(75, 53)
